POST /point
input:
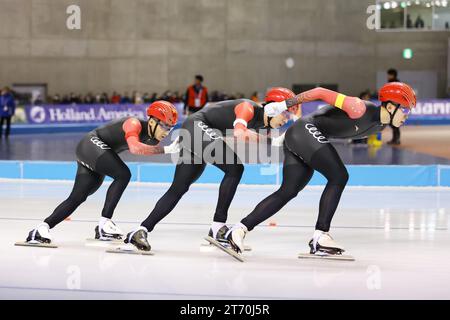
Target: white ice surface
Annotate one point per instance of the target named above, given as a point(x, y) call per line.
point(399, 237)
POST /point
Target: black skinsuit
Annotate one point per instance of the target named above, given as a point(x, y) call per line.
point(97, 157)
point(306, 148)
point(203, 132)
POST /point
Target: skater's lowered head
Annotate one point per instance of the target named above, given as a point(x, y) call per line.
point(278, 94)
point(163, 116)
point(397, 99)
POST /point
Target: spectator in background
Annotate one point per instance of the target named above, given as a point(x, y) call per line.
point(409, 23)
point(154, 97)
point(98, 97)
point(138, 98)
point(65, 99)
point(104, 98)
point(56, 99)
point(392, 77)
point(419, 22)
point(125, 98)
point(165, 96)
point(74, 99)
point(7, 110)
point(176, 97)
point(146, 97)
point(38, 100)
point(255, 97)
point(89, 98)
point(196, 96)
point(365, 95)
point(115, 98)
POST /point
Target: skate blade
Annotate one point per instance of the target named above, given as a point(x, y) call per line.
point(246, 248)
point(326, 257)
point(130, 250)
point(230, 251)
point(37, 245)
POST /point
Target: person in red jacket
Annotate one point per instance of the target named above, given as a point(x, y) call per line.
point(196, 96)
point(97, 157)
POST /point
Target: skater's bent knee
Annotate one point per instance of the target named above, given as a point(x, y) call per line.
point(235, 170)
point(77, 198)
point(288, 194)
point(179, 190)
point(123, 175)
point(340, 178)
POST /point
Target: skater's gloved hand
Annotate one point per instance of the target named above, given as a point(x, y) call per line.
point(174, 147)
point(139, 148)
point(275, 108)
point(278, 141)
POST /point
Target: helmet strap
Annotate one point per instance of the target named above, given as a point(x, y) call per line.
point(268, 122)
point(391, 115)
point(151, 131)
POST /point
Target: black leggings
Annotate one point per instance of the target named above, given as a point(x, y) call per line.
point(8, 126)
point(187, 174)
point(88, 181)
point(296, 175)
point(197, 138)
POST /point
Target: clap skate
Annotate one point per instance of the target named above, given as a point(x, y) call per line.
point(235, 242)
point(135, 243)
point(39, 237)
point(323, 246)
point(220, 237)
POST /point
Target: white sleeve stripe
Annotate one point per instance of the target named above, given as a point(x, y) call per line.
point(242, 121)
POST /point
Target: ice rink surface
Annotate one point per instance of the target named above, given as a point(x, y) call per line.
point(399, 238)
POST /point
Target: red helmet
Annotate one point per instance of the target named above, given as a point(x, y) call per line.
point(278, 94)
point(398, 92)
point(163, 111)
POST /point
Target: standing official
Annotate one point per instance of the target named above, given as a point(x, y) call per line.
point(196, 96)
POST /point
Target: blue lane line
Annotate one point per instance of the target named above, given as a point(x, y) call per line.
point(143, 293)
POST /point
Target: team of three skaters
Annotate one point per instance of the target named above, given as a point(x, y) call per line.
point(305, 144)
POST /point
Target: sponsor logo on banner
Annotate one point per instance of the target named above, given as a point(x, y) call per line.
point(81, 113)
point(432, 108)
point(37, 114)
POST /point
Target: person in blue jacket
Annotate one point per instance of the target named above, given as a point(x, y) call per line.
point(7, 110)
